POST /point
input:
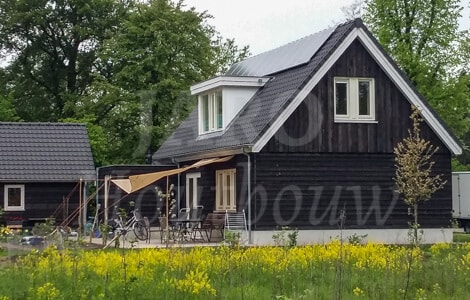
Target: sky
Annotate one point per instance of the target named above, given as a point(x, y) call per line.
point(266, 24)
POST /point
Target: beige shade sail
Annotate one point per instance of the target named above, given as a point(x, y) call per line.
point(137, 182)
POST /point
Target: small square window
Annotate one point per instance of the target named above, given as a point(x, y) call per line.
point(354, 99)
point(14, 198)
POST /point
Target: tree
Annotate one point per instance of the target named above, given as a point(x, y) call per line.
point(423, 37)
point(124, 67)
point(141, 89)
point(7, 110)
point(414, 177)
point(52, 47)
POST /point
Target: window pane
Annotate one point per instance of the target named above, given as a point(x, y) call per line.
point(221, 189)
point(227, 190)
point(341, 98)
point(205, 113)
point(191, 192)
point(14, 197)
point(364, 98)
point(219, 110)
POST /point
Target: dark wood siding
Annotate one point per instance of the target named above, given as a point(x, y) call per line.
point(46, 200)
point(311, 127)
point(310, 190)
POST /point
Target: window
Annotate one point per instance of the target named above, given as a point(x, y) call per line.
point(354, 99)
point(210, 107)
point(14, 197)
point(225, 190)
point(192, 193)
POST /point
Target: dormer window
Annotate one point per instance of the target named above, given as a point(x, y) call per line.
point(354, 99)
point(211, 112)
point(221, 98)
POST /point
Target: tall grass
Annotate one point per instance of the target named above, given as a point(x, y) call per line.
point(368, 271)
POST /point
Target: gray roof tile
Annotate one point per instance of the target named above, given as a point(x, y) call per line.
point(35, 152)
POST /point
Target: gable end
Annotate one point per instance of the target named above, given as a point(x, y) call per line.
point(389, 68)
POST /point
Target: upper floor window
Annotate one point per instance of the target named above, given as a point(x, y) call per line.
point(210, 107)
point(354, 99)
point(14, 197)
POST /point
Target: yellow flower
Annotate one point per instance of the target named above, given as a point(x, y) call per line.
point(196, 282)
point(358, 292)
point(47, 291)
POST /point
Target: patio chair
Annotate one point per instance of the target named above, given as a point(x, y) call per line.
point(196, 217)
point(179, 225)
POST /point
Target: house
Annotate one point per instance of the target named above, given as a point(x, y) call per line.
point(43, 170)
point(309, 130)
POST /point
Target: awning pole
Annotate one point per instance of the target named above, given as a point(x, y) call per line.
point(106, 198)
point(80, 225)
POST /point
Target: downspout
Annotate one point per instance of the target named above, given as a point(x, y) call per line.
point(248, 158)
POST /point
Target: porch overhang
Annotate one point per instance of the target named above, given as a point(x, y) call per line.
point(140, 181)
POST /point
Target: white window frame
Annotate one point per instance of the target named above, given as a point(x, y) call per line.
point(213, 108)
point(225, 200)
point(7, 207)
point(352, 100)
point(192, 189)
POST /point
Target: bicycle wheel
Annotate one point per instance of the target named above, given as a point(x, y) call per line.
point(140, 230)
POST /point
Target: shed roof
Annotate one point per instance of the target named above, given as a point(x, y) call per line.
point(39, 152)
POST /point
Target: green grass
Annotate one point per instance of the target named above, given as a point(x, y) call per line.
point(461, 237)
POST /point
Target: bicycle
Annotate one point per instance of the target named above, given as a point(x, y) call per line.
point(135, 224)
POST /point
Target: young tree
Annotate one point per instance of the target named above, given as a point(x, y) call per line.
point(413, 177)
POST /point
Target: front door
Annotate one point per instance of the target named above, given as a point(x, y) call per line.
point(192, 189)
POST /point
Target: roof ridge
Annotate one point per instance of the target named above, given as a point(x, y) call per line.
point(41, 123)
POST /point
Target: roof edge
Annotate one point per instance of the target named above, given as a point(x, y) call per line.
point(219, 81)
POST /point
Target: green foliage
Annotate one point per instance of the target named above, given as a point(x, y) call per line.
point(232, 238)
point(357, 239)
point(52, 48)
point(423, 37)
point(44, 228)
point(286, 237)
